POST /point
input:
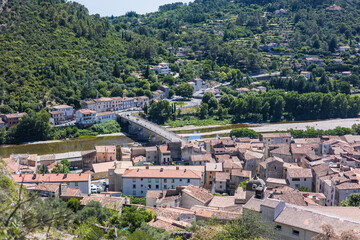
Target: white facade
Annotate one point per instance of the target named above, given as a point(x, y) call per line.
point(128, 103)
point(85, 117)
point(106, 116)
point(162, 68)
point(117, 103)
point(138, 186)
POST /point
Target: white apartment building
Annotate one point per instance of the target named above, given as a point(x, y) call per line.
point(85, 117)
point(117, 103)
point(105, 116)
point(162, 68)
point(128, 103)
point(136, 182)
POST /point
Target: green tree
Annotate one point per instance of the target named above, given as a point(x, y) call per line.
point(116, 71)
point(116, 92)
point(204, 111)
point(43, 169)
point(184, 90)
point(353, 200)
point(243, 184)
point(249, 226)
point(207, 96)
point(73, 204)
point(243, 132)
point(304, 189)
point(220, 113)
point(32, 127)
point(133, 217)
point(93, 212)
point(61, 167)
point(160, 112)
point(2, 135)
point(213, 103)
point(333, 44)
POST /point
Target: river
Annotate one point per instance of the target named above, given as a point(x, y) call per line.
point(79, 144)
point(212, 131)
point(192, 132)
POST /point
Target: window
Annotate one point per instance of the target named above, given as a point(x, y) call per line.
point(295, 232)
point(149, 180)
point(141, 185)
point(220, 186)
point(304, 179)
point(296, 179)
point(157, 186)
point(76, 184)
point(157, 180)
point(149, 187)
point(297, 185)
point(210, 182)
point(172, 180)
point(210, 172)
point(165, 186)
point(180, 180)
point(142, 192)
point(210, 177)
point(165, 180)
point(134, 179)
point(134, 185)
point(134, 192)
point(278, 227)
point(141, 179)
point(188, 181)
point(172, 187)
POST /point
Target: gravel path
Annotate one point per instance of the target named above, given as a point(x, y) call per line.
point(323, 125)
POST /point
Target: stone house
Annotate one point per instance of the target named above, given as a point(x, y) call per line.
point(194, 195)
point(299, 177)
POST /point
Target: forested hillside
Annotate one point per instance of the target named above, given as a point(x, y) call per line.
point(55, 52)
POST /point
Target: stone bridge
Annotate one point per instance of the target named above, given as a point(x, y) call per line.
point(146, 130)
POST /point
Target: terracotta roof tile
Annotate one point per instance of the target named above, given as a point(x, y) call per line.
point(51, 177)
point(201, 194)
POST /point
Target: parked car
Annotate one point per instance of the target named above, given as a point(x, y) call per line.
point(94, 188)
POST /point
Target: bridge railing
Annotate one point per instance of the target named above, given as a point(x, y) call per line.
point(155, 126)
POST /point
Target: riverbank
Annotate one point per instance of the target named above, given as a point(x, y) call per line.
point(268, 127)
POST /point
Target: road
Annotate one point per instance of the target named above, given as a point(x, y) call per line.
point(268, 127)
point(192, 103)
point(163, 132)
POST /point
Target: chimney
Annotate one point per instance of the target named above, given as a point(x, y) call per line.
point(147, 167)
point(161, 169)
point(138, 170)
point(177, 168)
point(185, 170)
point(34, 176)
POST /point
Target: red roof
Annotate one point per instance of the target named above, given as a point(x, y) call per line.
point(51, 177)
